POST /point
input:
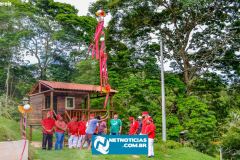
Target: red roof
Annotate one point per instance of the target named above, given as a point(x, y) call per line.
point(72, 86)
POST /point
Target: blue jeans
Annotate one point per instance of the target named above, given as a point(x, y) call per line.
point(59, 140)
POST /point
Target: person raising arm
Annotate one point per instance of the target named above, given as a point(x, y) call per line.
point(92, 124)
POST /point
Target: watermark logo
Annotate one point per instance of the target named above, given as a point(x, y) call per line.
point(5, 4)
point(120, 144)
point(101, 144)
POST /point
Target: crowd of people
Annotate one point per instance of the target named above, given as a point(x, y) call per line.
point(80, 132)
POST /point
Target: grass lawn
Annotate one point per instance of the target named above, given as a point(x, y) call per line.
point(74, 154)
point(37, 134)
point(185, 154)
point(9, 130)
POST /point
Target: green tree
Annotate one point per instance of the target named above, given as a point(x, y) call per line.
point(195, 33)
point(212, 90)
point(200, 123)
point(231, 138)
point(86, 72)
point(56, 31)
point(60, 69)
point(11, 34)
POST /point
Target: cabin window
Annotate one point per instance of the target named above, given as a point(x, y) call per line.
point(47, 102)
point(70, 102)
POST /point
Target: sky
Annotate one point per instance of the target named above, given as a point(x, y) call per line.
point(81, 5)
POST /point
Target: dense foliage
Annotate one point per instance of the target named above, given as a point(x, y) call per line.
point(201, 44)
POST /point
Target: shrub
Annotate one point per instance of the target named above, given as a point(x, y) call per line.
point(231, 138)
point(199, 121)
point(9, 130)
point(173, 145)
point(169, 144)
point(8, 110)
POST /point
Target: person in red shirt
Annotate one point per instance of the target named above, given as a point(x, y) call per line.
point(145, 116)
point(48, 128)
point(150, 131)
point(133, 126)
point(73, 133)
point(81, 130)
point(61, 127)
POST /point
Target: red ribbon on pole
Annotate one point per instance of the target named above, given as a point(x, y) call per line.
point(101, 55)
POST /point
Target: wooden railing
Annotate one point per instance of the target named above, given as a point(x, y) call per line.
point(69, 113)
point(80, 112)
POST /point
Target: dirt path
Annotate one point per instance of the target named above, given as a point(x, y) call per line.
point(11, 150)
point(36, 144)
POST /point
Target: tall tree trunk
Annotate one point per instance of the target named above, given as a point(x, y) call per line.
point(43, 74)
point(186, 66)
point(186, 72)
point(7, 84)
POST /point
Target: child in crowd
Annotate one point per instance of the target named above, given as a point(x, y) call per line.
point(81, 130)
point(73, 133)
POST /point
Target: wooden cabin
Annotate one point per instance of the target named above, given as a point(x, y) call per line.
point(68, 99)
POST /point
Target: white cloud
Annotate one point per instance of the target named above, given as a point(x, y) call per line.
point(81, 5)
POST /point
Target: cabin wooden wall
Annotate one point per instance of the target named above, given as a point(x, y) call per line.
point(36, 102)
point(78, 102)
point(39, 110)
point(60, 104)
point(61, 101)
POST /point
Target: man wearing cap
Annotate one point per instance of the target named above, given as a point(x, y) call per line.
point(145, 116)
point(150, 131)
point(91, 127)
point(82, 125)
point(133, 126)
point(48, 129)
point(73, 133)
point(61, 127)
point(139, 125)
point(115, 125)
